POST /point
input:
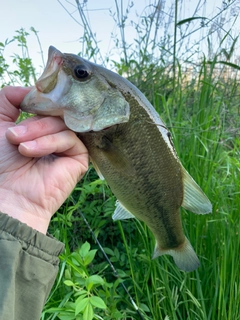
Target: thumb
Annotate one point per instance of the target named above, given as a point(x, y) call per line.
point(10, 99)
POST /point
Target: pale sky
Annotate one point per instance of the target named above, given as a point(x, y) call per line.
point(57, 28)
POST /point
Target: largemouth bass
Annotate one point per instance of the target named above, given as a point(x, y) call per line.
point(129, 146)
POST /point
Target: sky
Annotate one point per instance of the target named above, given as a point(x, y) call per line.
point(54, 24)
point(57, 28)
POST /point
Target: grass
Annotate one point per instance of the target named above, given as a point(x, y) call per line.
point(201, 110)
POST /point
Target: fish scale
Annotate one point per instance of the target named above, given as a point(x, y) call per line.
point(153, 179)
point(129, 146)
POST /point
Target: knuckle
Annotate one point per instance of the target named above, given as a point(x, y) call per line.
point(41, 124)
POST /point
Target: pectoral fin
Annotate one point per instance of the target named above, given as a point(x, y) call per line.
point(121, 213)
point(194, 198)
point(116, 157)
point(97, 170)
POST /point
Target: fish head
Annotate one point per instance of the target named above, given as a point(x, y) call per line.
point(75, 89)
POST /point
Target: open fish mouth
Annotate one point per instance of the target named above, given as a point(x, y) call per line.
point(48, 80)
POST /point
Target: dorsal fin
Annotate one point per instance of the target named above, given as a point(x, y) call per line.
point(194, 198)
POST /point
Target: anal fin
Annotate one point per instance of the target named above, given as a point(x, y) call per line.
point(121, 213)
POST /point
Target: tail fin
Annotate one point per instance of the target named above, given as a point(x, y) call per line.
point(184, 257)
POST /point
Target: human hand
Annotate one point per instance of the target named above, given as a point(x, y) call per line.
point(41, 161)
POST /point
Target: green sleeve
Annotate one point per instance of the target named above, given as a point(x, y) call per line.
point(28, 268)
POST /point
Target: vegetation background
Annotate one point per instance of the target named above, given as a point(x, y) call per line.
point(197, 95)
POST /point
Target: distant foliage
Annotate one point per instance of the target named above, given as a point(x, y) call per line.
point(23, 72)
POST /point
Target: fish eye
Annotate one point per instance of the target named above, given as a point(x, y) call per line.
point(81, 72)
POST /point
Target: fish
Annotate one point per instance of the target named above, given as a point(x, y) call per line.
point(129, 146)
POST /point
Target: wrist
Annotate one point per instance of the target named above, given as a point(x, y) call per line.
point(37, 223)
point(28, 214)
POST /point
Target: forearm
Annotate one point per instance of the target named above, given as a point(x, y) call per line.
point(28, 268)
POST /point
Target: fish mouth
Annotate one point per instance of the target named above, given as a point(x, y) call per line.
point(85, 106)
point(52, 84)
point(48, 80)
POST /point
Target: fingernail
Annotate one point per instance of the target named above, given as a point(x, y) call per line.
point(29, 145)
point(18, 130)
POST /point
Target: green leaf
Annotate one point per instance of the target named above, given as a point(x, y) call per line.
point(88, 312)
point(144, 307)
point(67, 274)
point(66, 315)
point(80, 293)
point(116, 252)
point(69, 283)
point(189, 20)
point(89, 257)
point(84, 249)
point(117, 315)
point(81, 304)
point(98, 302)
point(108, 251)
point(80, 298)
point(229, 64)
point(94, 280)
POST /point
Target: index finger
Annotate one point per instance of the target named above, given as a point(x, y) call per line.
point(10, 99)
